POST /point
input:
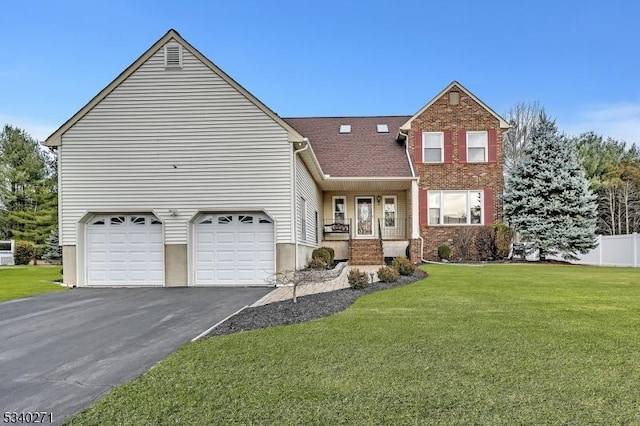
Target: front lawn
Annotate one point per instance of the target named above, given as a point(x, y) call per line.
point(516, 344)
point(23, 281)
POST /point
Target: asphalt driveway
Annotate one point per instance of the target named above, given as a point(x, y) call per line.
point(61, 351)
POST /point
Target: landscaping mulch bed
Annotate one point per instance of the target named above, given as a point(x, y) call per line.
point(307, 308)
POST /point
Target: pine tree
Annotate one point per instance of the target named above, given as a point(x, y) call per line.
point(52, 250)
point(28, 188)
point(547, 198)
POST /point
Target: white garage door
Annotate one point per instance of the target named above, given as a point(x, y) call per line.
point(125, 250)
point(233, 249)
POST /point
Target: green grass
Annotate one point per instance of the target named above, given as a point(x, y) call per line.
point(23, 281)
point(469, 345)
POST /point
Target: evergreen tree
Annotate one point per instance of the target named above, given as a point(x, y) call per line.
point(547, 198)
point(28, 188)
point(52, 250)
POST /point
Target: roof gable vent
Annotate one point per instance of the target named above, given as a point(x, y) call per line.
point(173, 56)
point(345, 128)
point(382, 128)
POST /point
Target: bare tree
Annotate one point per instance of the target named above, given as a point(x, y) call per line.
point(304, 276)
point(522, 118)
point(619, 200)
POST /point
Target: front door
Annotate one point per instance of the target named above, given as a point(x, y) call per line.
point(364, 217)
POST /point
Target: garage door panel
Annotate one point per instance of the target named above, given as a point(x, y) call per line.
point(97, 238)
point(125, 250)
point(224, 237)
point(205, 237)
point(238, 243)
point(246, 255)
point(246, 238)
point(224, 257)
point(155, 237)
point(264, 237)
point(226, 275)
point(119, 237)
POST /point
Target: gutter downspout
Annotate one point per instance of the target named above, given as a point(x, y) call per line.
point(294, 191)
point(413, 173)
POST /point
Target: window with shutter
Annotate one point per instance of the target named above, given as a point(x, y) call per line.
point(432, 147)
point(477, 147)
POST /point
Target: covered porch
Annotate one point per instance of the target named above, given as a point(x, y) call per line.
point(368, 221)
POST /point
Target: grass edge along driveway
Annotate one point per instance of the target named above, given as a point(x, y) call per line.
point(487, 345)
point(17, 282)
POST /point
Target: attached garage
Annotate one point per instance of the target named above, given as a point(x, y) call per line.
point(233, 249)
point(125, 250)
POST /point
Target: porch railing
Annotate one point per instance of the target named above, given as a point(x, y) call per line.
point(338, 228)
point(394, 230)
point(385, 229)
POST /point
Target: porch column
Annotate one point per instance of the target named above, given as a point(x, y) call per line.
point(415, 210)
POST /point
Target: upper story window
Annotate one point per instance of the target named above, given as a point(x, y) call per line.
point(477, 146)
point(455, 207)
point(433, 147)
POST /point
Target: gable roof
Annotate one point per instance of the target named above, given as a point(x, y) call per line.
point(503, 122)
point(56, 137)
point(364, 152)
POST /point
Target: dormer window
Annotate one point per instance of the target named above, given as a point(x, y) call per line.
point(345, 128)
point(173, 56)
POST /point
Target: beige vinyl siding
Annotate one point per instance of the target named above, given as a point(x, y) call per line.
point(180, 139)
point(307, 188)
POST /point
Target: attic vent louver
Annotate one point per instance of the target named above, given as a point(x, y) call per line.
point(173, 56)
point(345, 128)
point(382, 128)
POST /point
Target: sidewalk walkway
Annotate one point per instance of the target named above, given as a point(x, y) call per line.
point(340, 282)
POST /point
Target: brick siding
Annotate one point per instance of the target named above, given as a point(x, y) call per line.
point(455, 174)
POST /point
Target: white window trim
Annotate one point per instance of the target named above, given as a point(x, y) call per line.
point(303, 219)
point(395, 203)
point(424, 147)
point(373, 216)
point(486, 145)
point(333, 207)
point(468, 212)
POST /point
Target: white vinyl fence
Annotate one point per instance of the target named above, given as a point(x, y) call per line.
point(614, 250)
point(6, 252)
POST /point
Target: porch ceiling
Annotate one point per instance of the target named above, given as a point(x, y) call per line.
point(362, 184)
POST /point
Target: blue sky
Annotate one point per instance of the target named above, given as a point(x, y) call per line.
point(579, 59)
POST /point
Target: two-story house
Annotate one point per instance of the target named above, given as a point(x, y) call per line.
point(176, 175)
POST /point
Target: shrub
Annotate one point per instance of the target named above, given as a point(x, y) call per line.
point(358, 279)
point(486, 243)
point(388, 275)
point(403, 266)
point(24, 252)
point(317, 263)
point(324, 253)
point(504, 236)
point(463, 241)
point(332, 253)
point(444, 252)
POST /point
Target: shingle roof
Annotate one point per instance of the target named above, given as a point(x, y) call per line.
point(364, 152)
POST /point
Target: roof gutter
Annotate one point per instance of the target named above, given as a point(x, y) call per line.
point(294, 191)
point(406, 150)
